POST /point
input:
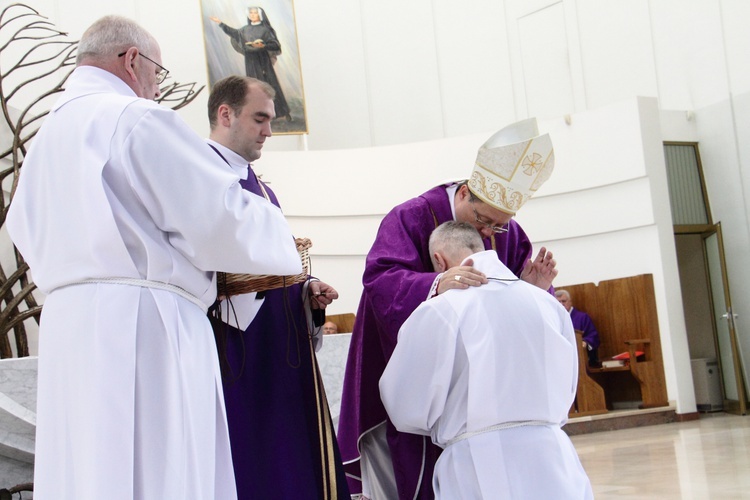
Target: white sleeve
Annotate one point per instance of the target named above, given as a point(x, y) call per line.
point(570, 335)
point(416, 381)
point(196, 198)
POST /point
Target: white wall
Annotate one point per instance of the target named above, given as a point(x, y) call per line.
point(400, 94)
point(380, 73)
point(723, 122)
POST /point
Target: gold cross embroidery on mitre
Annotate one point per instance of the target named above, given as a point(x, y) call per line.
point(532, 164)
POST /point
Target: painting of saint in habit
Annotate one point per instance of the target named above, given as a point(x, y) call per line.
point(257, 49)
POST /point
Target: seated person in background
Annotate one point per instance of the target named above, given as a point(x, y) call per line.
point(330, 327)
point(582, 321)
point(489, 373)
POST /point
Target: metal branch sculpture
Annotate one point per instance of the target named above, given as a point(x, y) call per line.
point(36, 60)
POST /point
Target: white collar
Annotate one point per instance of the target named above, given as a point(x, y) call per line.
point(238, 163)
point(86, 80)
point(451, 192)
point(488, 262)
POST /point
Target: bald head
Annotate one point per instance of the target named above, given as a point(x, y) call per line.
point(330, 327)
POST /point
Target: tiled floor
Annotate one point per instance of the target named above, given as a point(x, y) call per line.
point(701, 459)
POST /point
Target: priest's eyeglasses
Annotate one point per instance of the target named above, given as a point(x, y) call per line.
point(161, 75)
point(495, 229)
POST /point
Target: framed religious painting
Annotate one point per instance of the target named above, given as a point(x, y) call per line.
point(259, 41)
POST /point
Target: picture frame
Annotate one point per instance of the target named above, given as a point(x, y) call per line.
point(259, 41)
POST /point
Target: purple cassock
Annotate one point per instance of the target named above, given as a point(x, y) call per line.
point(398, 277)
point(582, 321)
point(282, 437)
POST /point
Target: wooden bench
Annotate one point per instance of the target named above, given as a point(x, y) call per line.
point(624, 312)
point(590, 398)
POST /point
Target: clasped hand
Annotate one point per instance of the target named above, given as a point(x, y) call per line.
point(321, 294)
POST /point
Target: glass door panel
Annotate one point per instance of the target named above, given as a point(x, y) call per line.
point(730, 359)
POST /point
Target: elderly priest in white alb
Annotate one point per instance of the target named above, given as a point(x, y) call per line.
point(124, 213)
point(489, 373)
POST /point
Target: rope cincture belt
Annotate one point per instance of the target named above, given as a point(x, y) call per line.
point(158, 285)
point(497, 427)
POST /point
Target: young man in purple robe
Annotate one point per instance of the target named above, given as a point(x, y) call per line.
point(280, 429)
point(380, 461)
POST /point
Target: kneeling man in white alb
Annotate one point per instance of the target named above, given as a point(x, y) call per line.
point(489, 373)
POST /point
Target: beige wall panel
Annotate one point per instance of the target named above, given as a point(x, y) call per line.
point(617, 50)
point(474, 66)
point(332, 51)
point(543, 42)
point(402, 71)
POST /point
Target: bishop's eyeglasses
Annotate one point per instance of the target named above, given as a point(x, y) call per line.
point(495, 229)
point(161, 75)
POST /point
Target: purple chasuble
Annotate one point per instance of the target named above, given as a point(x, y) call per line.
point(272, 403)
point(397, 278)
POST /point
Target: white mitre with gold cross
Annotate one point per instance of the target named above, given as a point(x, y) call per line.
point(512, 165)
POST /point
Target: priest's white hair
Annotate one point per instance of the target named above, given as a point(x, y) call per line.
point(112, 35)
point(455, 240)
